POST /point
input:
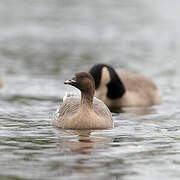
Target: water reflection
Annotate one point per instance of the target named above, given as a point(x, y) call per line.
point(84, 141)
point(91, 152)
point(81, 150)
point(139, 111)
point(136, 110)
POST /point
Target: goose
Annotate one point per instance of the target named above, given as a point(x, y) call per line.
point(121, 88)
point(1, 84)
point(82, 111)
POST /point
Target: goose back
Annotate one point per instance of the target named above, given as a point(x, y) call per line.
point(101, 117)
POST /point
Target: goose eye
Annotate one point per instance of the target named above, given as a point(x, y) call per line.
point(73, 79)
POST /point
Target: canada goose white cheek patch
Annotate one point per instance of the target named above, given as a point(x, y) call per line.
point(105, 77)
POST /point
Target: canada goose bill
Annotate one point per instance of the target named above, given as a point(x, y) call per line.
point(123, 88)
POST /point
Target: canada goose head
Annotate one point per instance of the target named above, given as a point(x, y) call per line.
point(105, 75)
point(84, 82)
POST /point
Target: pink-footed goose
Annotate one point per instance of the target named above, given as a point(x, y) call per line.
point(85, 111)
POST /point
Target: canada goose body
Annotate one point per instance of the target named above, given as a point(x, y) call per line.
point(124, 89)
point(85, 111)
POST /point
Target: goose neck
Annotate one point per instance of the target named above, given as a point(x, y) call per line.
point(87, 100)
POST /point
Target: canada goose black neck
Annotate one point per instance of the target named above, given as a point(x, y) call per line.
point(116, 88)
point(85, 83)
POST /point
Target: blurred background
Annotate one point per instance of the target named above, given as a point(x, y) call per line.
point(42, 43)
point(54, 39)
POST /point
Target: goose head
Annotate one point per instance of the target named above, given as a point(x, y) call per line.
point(105, 76)
point(84, 82)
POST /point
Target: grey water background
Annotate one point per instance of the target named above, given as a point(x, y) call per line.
point(42, 43)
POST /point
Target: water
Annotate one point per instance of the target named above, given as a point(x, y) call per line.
point(42, 43)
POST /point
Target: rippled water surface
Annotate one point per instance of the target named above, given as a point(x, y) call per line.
point(42, 43)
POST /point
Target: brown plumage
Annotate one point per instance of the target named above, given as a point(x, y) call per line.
point(85, 111)
point(123, 88)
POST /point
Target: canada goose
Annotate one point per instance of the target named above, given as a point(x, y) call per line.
point(85, 111)
point(123, 89)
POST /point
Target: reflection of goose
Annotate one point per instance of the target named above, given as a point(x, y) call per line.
point(83, 145)
point(0, 82)
point(137, 110)
point(85, 112)
point(123, 89)
point(84, 142)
